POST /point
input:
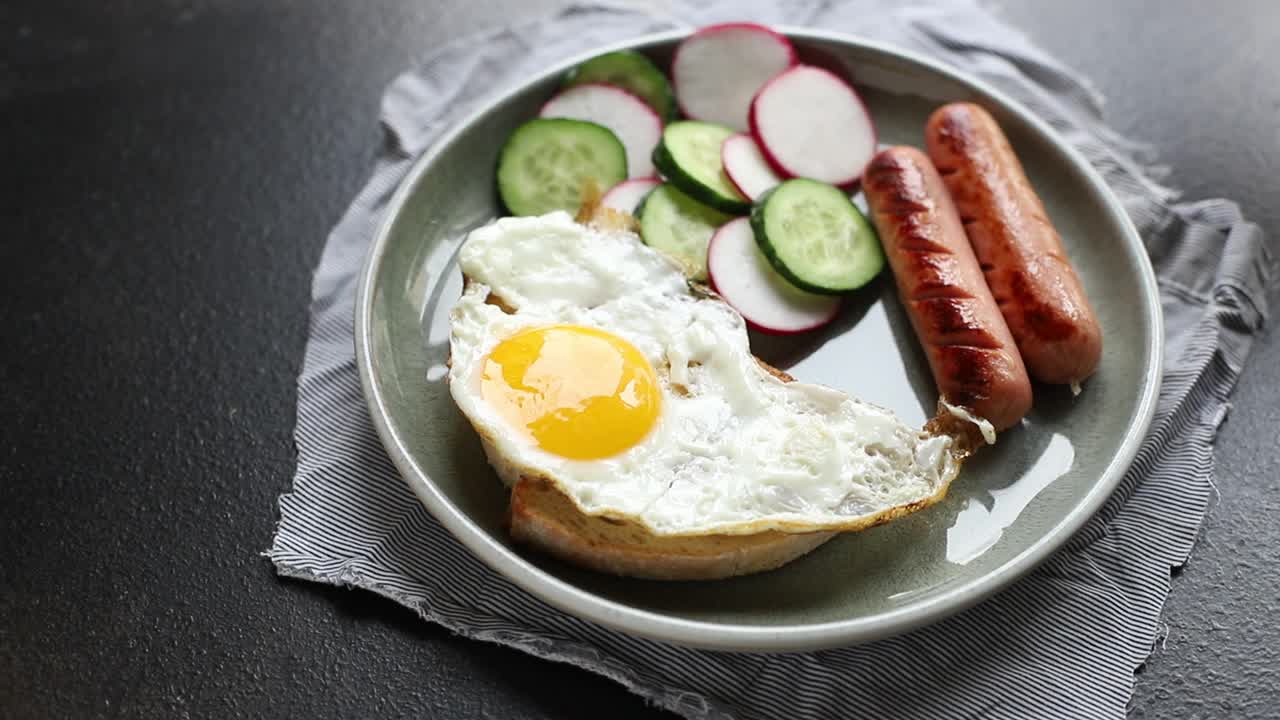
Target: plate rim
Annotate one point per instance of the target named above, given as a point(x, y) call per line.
point(583, 604)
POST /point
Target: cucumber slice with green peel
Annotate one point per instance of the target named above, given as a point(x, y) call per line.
point(547, 162)
point(630, 71)
point(815, 237)
point(679, 226)
point(689, 156)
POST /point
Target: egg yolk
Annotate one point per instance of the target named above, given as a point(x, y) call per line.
point(579, 392)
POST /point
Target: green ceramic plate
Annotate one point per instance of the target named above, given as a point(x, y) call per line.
point(1012, 505)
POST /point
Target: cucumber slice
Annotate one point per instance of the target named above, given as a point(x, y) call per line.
point(679, 226)
point(689, 156)
point(546, 163)
point(631, 71)
point(815, 237)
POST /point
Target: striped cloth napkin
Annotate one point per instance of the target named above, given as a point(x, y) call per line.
point(1084, 620)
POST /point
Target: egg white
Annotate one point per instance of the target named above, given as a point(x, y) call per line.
point(735, 449)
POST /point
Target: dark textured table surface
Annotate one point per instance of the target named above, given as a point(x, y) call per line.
point(170, 171)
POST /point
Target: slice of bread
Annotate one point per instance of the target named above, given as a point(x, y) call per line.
point(545, 519)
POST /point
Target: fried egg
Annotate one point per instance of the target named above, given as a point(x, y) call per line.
point(585, 358)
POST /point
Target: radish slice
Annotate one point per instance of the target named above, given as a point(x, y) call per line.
point(718, 69)
point(746, 167)
point(746, 280)
point(626, 195)
point(630, 118)
point(810, 123)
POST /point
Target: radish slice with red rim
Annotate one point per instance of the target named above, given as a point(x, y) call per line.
point(746, 166)
point(718, 69)
point(742, 276)
point(626, 195)
point(636, 124)
point(810, 123)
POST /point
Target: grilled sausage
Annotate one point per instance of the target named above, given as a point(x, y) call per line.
point(973, 357)
point(1019, 251)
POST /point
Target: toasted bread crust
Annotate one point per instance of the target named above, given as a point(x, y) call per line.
point(542, 517)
